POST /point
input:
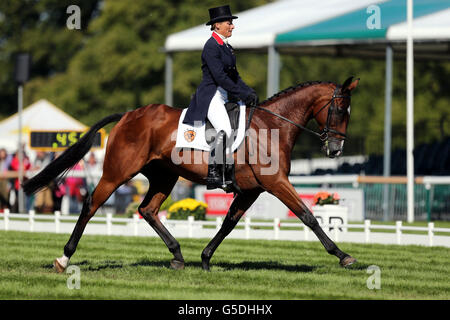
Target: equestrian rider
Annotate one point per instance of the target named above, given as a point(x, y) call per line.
point(220, 83)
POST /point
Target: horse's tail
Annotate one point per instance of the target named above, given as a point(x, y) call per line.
point(68, 158)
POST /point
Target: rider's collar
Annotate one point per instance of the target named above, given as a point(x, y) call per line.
point(219, 38)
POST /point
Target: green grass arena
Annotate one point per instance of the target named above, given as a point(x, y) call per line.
point(114, 267)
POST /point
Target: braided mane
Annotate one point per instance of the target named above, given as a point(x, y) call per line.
point(283, 92)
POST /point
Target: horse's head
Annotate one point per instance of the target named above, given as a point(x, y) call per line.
point(333, 117)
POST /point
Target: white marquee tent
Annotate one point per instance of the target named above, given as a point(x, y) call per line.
point(41, 115)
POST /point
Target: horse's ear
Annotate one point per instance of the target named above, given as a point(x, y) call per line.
point(346, 83)
point(349, 85)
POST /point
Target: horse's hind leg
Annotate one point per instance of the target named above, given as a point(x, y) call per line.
point(160, 187)
point(101, 193)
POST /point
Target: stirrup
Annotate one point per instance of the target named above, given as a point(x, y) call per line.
point(230, 184)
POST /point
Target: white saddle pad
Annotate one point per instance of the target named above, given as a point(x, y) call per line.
point(189, 136)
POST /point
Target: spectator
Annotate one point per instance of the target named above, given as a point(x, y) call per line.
point(76, 190)
point(124, 196)
point(92, 167)
point(15, 167)
point(43, 199)
point(182, 190)
point(4, 184)
point(58, 191)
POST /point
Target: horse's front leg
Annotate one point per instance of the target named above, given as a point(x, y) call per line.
point(284, 191)
point(238, 207)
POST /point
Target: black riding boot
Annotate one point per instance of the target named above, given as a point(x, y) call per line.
point(215, 177)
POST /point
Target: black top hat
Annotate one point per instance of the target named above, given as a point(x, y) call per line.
point(218, 14)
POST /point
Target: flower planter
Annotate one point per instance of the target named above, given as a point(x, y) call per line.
point(328, 213)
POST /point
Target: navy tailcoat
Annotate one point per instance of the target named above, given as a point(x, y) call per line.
point(219, 69)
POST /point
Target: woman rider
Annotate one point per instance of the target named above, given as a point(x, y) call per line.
point(220, 82)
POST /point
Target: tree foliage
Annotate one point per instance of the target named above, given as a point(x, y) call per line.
point(115, 63)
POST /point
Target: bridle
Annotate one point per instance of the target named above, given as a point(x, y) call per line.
point(323, 136)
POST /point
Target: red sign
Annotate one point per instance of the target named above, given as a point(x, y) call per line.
point(308, 200)
point(218, 203)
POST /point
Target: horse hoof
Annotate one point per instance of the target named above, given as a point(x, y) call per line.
point(347, 261)
point(205, 265)
point(177, 265)
point(58, 267)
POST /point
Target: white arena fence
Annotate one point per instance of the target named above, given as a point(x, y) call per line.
point(246, 229)
point(431, 192)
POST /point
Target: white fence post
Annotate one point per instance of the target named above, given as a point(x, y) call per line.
point(276, 228)
point(306, 230)
point(367, 230)
point(57, 221)
point(6, 219)
point(136, 222)
point(218, 223)
point(31, 220)
point(430, 233)
point(190, 225)
point(247, 227)
point(108, 223)
point(398, 231)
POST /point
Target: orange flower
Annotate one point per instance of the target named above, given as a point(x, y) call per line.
point(322, 195)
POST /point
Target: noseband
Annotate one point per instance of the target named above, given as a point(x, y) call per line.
point(323, 136)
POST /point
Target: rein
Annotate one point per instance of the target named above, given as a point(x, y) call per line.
point(323, 136)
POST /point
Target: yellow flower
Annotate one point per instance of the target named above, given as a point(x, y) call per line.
point(187, 204)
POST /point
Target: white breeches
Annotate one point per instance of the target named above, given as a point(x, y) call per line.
point(217, 112)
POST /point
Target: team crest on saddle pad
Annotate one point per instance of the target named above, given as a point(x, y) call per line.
point(189, 135)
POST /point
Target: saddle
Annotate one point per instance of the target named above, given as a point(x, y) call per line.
point(197, 137)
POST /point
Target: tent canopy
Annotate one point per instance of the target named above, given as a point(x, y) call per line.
point(293, 23)
point(258, 27)
point(40, 116)
point(432, 27)
point(349, 34)
point(357, 26)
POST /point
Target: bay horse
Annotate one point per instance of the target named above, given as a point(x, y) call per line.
point(141, 143)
